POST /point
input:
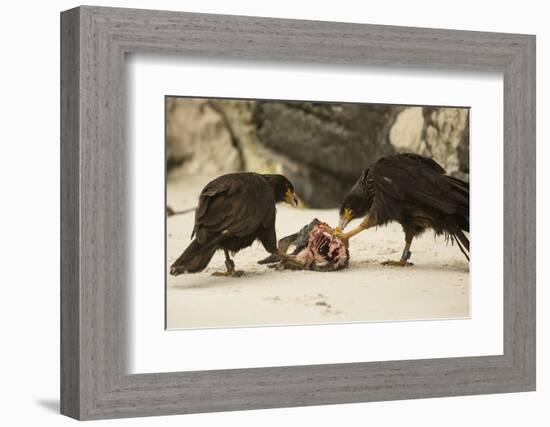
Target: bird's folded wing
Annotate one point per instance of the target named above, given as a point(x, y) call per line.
point(234, 208)
point(413, 179)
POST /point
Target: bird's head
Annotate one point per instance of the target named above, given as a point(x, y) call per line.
point(353, 206)
point(282, 188)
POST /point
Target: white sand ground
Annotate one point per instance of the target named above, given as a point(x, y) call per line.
point(436, 287)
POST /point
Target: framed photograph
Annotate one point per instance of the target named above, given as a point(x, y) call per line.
point(320, 150)
point(262, 213)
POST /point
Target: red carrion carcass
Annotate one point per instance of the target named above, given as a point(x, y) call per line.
point(314, 249)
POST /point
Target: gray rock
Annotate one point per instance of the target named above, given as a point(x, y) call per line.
point(324, 147)
point(198, 139)
point(447, 139)
point(321, 147)
point(436, 132)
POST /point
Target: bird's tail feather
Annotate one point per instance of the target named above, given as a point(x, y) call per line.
point(462, 241)
point(460, 194)
point(195, 258)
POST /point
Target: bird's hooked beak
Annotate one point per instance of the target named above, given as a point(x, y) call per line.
point(345, 218)
point(291, 198)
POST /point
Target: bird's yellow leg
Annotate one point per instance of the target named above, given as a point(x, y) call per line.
point(230, 266)
point(346, 236)
point(404, 256)
point(291, 263)
point(288, 258)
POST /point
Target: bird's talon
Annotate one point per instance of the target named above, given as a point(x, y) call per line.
point(341, 236)
point(220, 273)
point(271, 259)
point(285, 257)
point(397, 263)
point(228, 273)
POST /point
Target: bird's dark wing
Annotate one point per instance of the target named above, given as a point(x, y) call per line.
point(236, 205)
point(414, 179)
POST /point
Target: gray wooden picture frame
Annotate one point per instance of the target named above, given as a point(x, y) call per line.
point(94, 381)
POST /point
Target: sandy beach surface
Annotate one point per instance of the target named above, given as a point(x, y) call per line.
point(436, 287)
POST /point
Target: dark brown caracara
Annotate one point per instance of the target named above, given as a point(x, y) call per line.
point(414, 191)
point(234, 210)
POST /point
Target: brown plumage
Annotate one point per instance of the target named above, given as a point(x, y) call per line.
point(414, 191)
point(234, 210)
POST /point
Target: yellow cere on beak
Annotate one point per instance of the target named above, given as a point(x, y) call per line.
point(290, 198)
point(346, 217)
